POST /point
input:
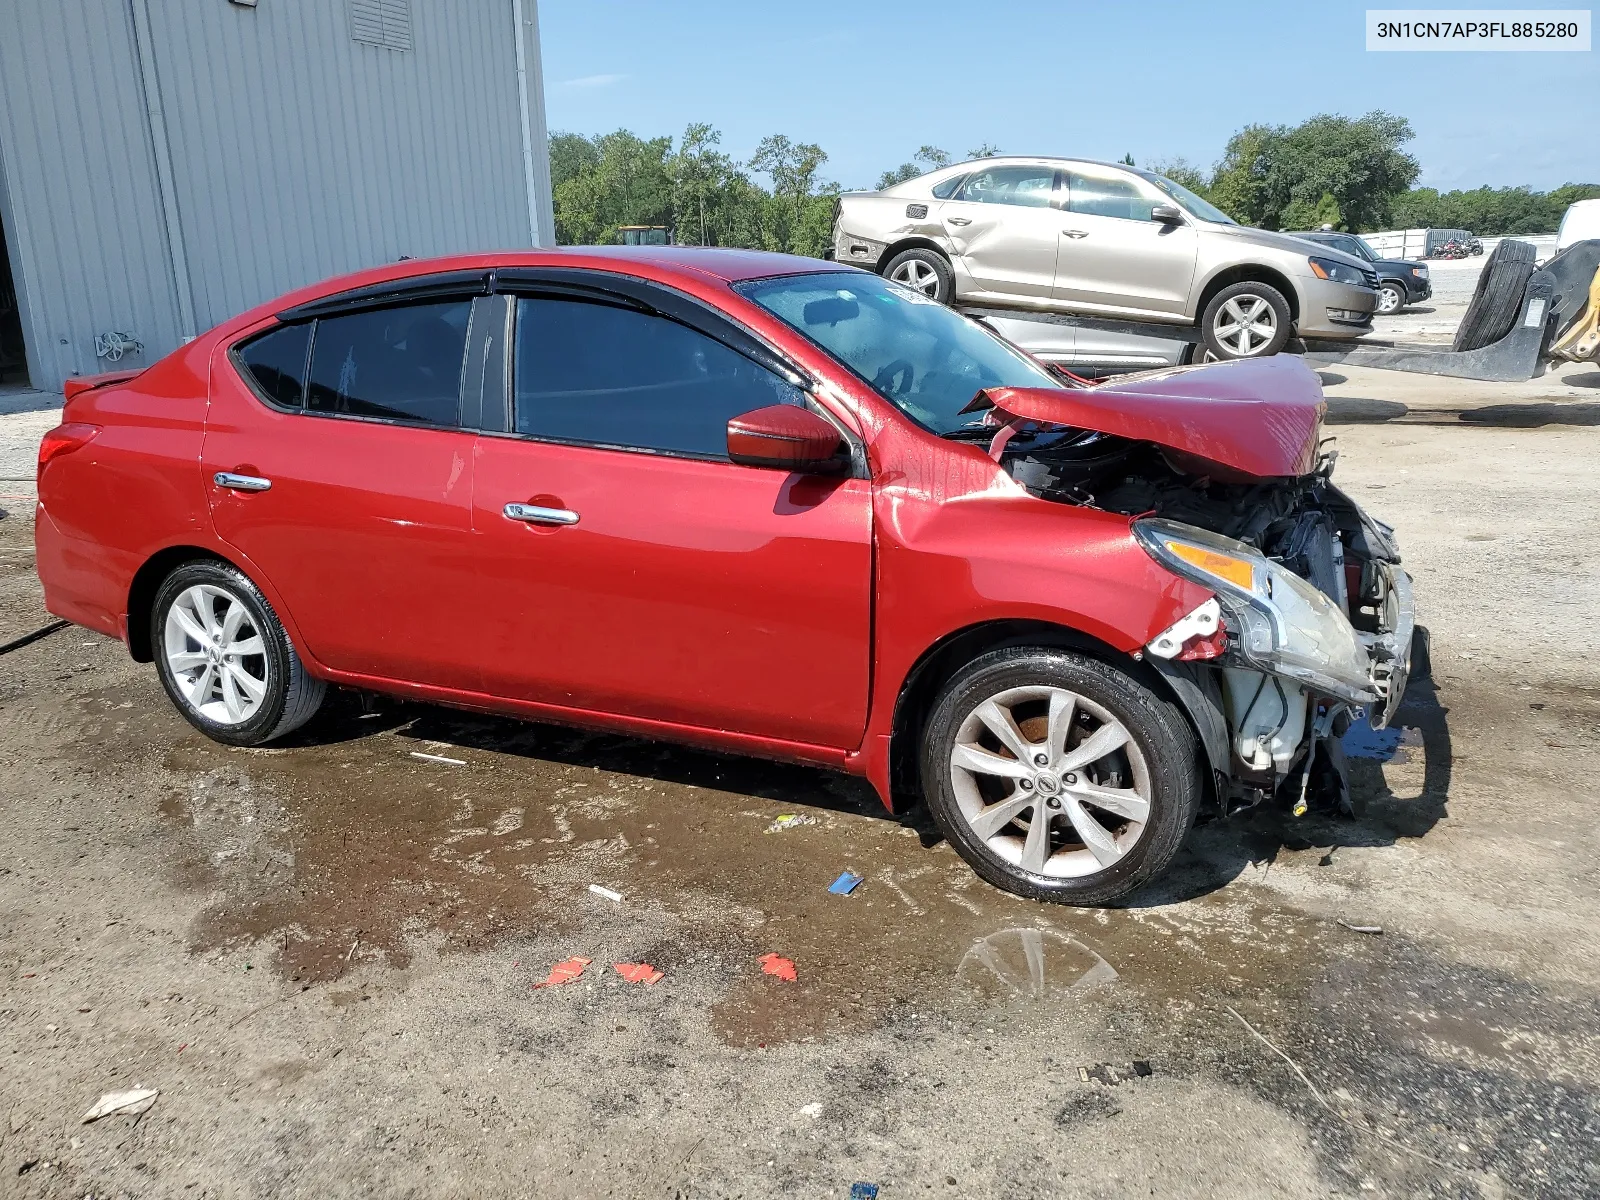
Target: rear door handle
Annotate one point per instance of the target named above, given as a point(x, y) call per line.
point(534, 515)
point(960, 220)
point(1076, 233)
point(241, 483)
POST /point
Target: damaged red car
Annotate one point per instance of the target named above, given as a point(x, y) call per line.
point(758, 503)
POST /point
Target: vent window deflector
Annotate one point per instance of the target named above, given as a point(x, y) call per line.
point(393, 291)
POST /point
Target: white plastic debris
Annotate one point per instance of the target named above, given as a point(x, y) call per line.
point(812, 1110)
point(1362, 928)
point(439, 758)
point(131, 1102)
point(790, 821)
point(606, 892)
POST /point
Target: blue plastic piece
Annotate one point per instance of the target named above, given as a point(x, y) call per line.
point(843, 886)
point(862, 1191)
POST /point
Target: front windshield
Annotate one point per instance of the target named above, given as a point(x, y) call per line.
point(1203, 209)
point(1370, 254)
point(916, 353)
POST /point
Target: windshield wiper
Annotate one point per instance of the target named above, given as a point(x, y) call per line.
point(977, 431)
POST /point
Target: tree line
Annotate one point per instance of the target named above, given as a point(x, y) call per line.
point(1354, 174)
point(1351, 173)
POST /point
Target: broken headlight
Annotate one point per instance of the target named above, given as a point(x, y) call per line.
point(1285, 625)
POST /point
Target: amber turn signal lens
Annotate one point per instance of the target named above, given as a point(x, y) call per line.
point(1236, 571)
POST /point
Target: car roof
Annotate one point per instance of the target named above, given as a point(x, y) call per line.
point(1054, 160)
point(689, 265)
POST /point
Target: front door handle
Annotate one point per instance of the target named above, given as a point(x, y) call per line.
point(1076, 233)
point(960, 220)
point(534, 515)
point(240, 483)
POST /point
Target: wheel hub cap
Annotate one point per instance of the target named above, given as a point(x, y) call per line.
point(216, 655)
point(1076, 815)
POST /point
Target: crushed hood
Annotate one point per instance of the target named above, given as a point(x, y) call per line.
point(1257, 418)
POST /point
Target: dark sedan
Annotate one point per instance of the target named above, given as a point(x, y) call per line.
point(1400, 281)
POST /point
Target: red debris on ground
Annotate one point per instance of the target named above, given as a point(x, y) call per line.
point(638, 973)
point(565, 971)
point(772, 964)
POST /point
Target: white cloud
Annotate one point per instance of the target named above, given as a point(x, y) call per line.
point(592, 81)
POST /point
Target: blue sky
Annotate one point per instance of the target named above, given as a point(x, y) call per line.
point(870, 81)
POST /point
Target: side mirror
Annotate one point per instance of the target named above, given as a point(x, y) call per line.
point(789, 438)
point(1167, 214)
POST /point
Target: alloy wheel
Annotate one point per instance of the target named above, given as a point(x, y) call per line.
point(1244, 324)
point(1388, 300)
point(216, 654)
point(1050, 781)
point(916, 274)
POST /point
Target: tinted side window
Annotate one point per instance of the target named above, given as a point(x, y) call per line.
point(601, 374)
point(1030, 187)
point(402, 363)
point(277, 362)
point(1107, 196)
point(947, 188)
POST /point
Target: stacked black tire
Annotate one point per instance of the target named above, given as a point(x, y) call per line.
point(1497, 302)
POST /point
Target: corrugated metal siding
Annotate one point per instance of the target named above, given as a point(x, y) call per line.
point(298, 153)
point(89, 250)
point(301, 153)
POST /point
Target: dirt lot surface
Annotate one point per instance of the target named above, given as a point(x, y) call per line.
point(322, 954)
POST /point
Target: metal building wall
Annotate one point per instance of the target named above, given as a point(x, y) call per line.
point(77, 181)
point(295, 153)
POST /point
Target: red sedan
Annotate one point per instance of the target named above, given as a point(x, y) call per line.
point(759, 503)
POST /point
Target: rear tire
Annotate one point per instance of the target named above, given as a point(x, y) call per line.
point(225, 659)
point(1246, 320)
point(925, 271)
point(1114, 820)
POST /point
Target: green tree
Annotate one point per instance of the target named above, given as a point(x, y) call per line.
point(699, 174)
point(984, 150)
point(1184, 173)
point(1490, 212)
point(625, 182)
point(570, 154)
point(792, 167)
point(1127, 160)
point(1300, 215)
point(1358, 163)
point(928, 158)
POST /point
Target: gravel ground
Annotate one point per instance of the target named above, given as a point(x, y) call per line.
point(322, 953)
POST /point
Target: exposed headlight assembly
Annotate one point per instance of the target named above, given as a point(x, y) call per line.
point(1285, 625)
point(1326, 268)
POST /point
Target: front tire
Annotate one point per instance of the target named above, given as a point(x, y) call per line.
point(1246, 320)
point(925, 271)
point(1391, 299)
point(1111, 767)
point(225, 660)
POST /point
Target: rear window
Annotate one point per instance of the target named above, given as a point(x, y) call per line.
point(402, 363)
point(277, 363)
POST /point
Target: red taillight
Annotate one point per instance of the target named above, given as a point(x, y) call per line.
point(64, 439)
